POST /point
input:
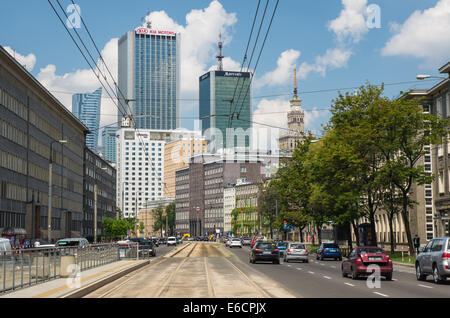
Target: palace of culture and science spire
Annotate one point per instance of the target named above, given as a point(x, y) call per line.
point(296, 123)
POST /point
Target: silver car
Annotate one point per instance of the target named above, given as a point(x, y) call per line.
point(434, 260)
point(296, 251)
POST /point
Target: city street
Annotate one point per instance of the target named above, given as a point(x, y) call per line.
point(209, 270)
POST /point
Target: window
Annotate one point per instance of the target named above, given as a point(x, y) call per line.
point(439, 108)
point(437, 245)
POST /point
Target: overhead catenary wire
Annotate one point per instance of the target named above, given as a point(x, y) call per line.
point(259, 56)
point(87, 61)
point(244, 58)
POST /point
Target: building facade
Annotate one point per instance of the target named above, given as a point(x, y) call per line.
point(146, 215)
point(200, 188)
point(222, 93)
point(149, 78)
point(32, 121)
point(176, 156)
point(99, 193)
point(229, 203)
point(248, 220)
point(140, 167)
point(109, 143)
point(86, 107)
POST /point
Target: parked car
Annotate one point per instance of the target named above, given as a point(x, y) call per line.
point(329, 250)
point(296, 251)
point(282, 247)
point(265, 251)
point(227, 242)
point(155, 241)
point(235, 242)
point(361, 258)
point(179, 240)
point(171, 240)
point(246, 240)
point(434, 260)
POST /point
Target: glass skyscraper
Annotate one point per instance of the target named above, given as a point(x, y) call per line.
point(86, 107)
point(217, 89)
point(149, 64)
point(109, 143)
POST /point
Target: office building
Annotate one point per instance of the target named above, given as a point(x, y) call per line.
point(99, 191)
point(176, 156)
point(149, 78)
point(222, 93)
point(109, 144)
point(146, 215)
point(86, 107)
point(36, 129)
point(140, 167)
point(200, 188)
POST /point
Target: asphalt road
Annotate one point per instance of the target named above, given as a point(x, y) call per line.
point(323, 279)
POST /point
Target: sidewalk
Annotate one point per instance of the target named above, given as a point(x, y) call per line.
point(90, 280)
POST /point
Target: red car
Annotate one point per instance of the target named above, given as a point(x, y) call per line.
point(358, 262)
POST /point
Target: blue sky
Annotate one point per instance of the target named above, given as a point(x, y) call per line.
point(300, 28)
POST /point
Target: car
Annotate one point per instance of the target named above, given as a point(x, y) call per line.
point(190, 239)
point(5, 249)
point(171, 240)
point(329, 250)
point(145, 246)
point(179, 240)
point(227, 242)
point(434, 260)
point(155, 241)
point(235, 242)
point(296, 251)
point(246, 240)
point(265, 251)
point(282, 247)
point(361, 258)
point(72, 242)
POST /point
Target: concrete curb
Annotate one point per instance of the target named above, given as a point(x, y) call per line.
point(403, 264)
point(83, 291)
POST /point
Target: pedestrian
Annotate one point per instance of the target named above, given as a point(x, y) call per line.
point(416, 241)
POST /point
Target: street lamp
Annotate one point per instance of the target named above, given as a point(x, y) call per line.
point(424, 76)
point(50, 186)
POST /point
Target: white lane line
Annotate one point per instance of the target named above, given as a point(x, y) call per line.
point(349, 284)
point(394, 279)
point(299, 268)
point(424, 286)
point(327, 277)
point(289, 265)
point(310, 272)
point(380, 294)
point(333, 266)
point(322, 264)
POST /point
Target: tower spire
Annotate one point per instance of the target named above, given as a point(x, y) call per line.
point(295, 83)
point(220, 56)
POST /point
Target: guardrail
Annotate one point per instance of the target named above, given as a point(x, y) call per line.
point(27, 267)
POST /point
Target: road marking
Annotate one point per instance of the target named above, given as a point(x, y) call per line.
point(394, 279)
point(333, 266)
point(289, 265)
point(327, 277)
point(424, 286)
point(299, 268)
point(380, 294)
point(322, 264)
point(349, 284)
point(310, 272)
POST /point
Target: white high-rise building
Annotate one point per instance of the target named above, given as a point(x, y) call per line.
point(140, 167)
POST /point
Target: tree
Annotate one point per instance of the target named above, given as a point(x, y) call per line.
point(141, 227)
point(170, 213)
point(114, 229)
point(404, 131)
point(268, 200)
point(158, 214)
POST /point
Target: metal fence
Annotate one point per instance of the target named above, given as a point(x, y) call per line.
point(27, 267)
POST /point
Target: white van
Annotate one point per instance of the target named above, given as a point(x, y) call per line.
point(172, 240)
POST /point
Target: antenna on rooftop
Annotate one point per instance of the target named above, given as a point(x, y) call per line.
point(220, 56)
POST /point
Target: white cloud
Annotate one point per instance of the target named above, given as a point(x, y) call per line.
point(333, 58)
point(283, 73)
point(423, 35)
point(351, 23)
point(27, 61)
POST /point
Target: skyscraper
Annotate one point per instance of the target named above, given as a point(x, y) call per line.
point(149, 78)
point(217, 89)
point(109, 143)
point(86, 107)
